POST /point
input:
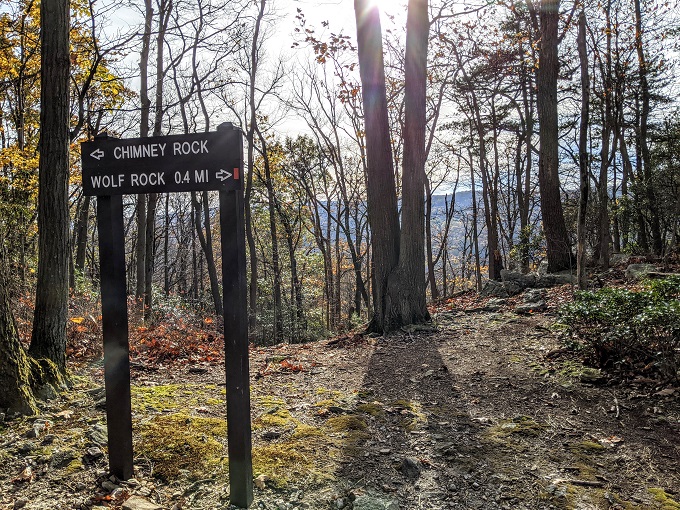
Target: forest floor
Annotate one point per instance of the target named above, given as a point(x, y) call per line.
point(477, 412)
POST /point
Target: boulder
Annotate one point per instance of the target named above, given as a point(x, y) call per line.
point(533, 295)
point(538, 306)
point(495, 304)
point(137, 503)
point(518, 279)
point(493, 288)
point(554, 279)
point(619, 259)
point(366, 502)
point(637, 271)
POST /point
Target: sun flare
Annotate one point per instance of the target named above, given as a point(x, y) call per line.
point(382, 5)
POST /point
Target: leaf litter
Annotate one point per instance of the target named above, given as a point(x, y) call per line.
point(474, 408)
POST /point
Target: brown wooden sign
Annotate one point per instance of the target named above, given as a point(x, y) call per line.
point(194, 162)
point(113, 167)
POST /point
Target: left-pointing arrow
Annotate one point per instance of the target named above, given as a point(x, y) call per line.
point(98, 154)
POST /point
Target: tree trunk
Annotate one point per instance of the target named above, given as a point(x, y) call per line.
point(431, 278)
point(250, 137)
point(166, 246)
point(524, 180)
point(81, 234)
point(51, 304)
point(140, 252)
point(381, 192)
point(406, 289)
point(557, 239)
point(150, 255)
point(495, 255)
point(205, 240)
point(16, 393)
point(475, 235)
point(655, 225)
point(583, 154)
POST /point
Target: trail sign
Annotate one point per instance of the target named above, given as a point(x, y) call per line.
point(197, 162)
point(161, 164)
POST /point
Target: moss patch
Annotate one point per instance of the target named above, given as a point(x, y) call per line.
point(372, 409)
point(275, 415)
point(74, 466)
point(171, 397)
point(520, 425)
point(587, 447)
point(179, 443)
point(664, 499)
point(304, 431)
point(281, 462)
point(346, 423)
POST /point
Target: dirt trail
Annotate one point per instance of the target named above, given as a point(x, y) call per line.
point(468, 415)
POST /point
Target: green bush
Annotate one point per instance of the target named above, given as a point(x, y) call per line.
point(627, 330)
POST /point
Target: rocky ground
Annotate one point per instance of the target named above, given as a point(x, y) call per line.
point(480, 411)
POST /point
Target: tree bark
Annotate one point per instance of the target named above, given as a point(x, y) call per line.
point(583, 154)
point(381, 191)
point(51, 304)
point(475, 235)
point(406, 289)
point(431, 278)
point(654, 223)
point(164, 10)
point(205, 240)
point(81, 234)
point(140, 252)
point(557, 239)
point(250, 137)
point(16, 393)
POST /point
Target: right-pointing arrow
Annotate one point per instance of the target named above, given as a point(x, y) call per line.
point(223, 175)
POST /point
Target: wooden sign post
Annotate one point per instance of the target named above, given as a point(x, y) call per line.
point(197, 162)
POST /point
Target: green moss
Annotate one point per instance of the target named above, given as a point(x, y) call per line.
point(270, 401)
point(406, 404)
point(346, 423)
point(281, 462)
point(520, 425)
point(179, 443)
point(304, 431)
point(415, 417)
point(586, 471)
point(170, 397)
point(74, 466)
point(332, 394)
point(276, 415)
point(664, 499)
point(326, 403)
point(302, 458)
point(372, 409)
point(587, 447)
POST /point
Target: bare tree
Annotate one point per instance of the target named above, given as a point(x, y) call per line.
point(48, 339)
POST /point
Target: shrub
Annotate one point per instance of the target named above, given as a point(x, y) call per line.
point(627, 330)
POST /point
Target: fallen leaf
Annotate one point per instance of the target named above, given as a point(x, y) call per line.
point(665, 393)
point(261, 481)
point(290, 366)
point(25, 476)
